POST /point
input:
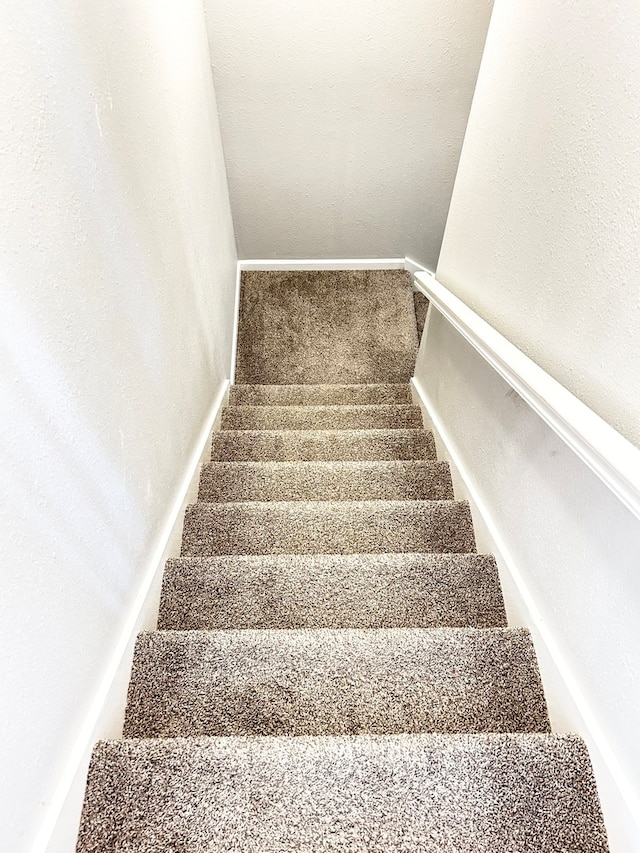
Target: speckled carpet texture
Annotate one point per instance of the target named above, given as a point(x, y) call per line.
point(332, 668)
point(337, 327)
point(421, 306)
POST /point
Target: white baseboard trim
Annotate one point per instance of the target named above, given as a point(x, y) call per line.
point(574, 710)
point(413, 267)
point(59, 827)
point(336, 264)
point(236, 320)
point(325, 264)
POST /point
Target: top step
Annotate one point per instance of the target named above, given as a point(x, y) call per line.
point(319, 395)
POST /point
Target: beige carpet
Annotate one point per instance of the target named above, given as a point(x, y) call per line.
point(332, 669)
point(352, 326)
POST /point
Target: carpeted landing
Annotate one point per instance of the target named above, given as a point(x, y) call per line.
point(332, 669)
point(336, 327)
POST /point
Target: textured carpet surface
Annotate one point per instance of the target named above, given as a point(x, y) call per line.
point(421, 306)
point(325, 326)
point(497, 793)
point(321, 417)
point(325, 481)
point(327, 681)
point(319, 395)
point(332, 591)
point(333, 670)
point(322, 445)
point(323, 527)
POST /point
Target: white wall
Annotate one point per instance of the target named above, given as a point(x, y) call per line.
point(568, 553)
point(542, 236)
point(542, 241)
point(117, 266)
point(342, 121)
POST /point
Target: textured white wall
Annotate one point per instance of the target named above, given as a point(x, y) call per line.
point(117, 266)
point(566, 544)
point(542, 236)
point(542, 241)
point(342, 122)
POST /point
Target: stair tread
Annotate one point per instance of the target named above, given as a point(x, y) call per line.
point(322, 417)
point(332, 590)
point(327, 527)
point(320, 480)
point(322, 445)
point(463, 793)
point(287, 395)
point(334, 681)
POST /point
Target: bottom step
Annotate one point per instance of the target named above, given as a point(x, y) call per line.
point(439, 793)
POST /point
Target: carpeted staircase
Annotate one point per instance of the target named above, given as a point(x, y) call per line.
point(332, 669)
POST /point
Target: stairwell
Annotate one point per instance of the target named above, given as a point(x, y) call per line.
point(333, 669)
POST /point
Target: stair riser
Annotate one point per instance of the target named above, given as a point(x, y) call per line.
point(335, 481)
point(321, 417)
point(323, 682)
point(318, 591)
point(319, 395)
point(322, 446)
point(322, 528)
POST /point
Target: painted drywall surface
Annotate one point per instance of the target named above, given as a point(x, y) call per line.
point(575, 548)
point(342, 122)
point(117, 268)
point(542, 235)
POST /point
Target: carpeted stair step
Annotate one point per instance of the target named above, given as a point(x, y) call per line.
point(321, 445)
point(319, 395)
point(317, 326)
point(325, 481)
point(321, 417)
point(436, 793)
point(327, 681)
point(327, 527)
point(332, 591)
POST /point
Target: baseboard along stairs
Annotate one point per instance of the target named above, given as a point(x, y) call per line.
point(333, 669)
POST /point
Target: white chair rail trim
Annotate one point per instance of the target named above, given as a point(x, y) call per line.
point(609, 455)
